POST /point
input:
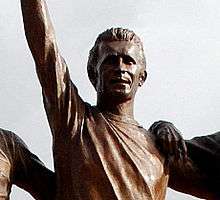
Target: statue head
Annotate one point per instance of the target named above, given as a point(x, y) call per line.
point(113, 34)
point(112, 45)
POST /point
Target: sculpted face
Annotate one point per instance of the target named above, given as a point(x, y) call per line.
point(119, 69)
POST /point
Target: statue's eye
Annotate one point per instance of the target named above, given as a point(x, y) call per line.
point(128, 60)
point(111, 60)
point(115, 60)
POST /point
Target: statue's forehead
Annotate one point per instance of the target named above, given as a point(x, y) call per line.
point(120, 48)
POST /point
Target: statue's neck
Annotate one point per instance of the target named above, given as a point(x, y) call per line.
point(112, 105)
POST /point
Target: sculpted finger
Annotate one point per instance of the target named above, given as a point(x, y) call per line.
point(154, 127)
point(175, 143)
point(183, 149)
point(166, 143)
point(181, 146)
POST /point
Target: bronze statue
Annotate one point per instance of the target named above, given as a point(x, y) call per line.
point(198, 174)
point(20, 167)
point(100, 152)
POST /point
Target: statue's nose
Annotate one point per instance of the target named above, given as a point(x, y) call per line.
point(121, 65)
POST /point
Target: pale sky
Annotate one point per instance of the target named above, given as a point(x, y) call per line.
point(182, 45)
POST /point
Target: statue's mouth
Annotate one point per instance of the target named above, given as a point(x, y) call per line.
point(123, 80)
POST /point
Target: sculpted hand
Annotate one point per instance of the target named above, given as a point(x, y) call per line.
point(169, 140)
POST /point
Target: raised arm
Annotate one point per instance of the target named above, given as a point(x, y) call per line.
point(39, 31)
point(51, 69)
point(61, 99)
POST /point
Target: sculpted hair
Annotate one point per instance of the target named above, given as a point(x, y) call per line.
point(113, 34)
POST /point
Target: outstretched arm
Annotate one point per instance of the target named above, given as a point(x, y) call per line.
point(200, 176)
point(193, 164)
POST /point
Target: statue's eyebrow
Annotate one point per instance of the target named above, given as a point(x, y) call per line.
point(114, 52)
point(111, 52)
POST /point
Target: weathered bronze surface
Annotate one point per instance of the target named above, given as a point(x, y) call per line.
point(100, 152)
point(20, 167)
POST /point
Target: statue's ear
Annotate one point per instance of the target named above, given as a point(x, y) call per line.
point(142, 78)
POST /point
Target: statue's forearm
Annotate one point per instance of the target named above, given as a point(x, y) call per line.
point(187, 178)
point(38, 30)
point(199, 174)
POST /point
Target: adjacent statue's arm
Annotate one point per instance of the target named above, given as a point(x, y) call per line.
point(21, 167)
point(193, 164)
point(200, 175)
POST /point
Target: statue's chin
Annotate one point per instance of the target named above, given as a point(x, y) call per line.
point(116, 94)
point(120, 95)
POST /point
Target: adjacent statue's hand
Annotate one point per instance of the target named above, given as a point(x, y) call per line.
point(169, 140)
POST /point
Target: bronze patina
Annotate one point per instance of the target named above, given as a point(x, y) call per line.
point(100, 152)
